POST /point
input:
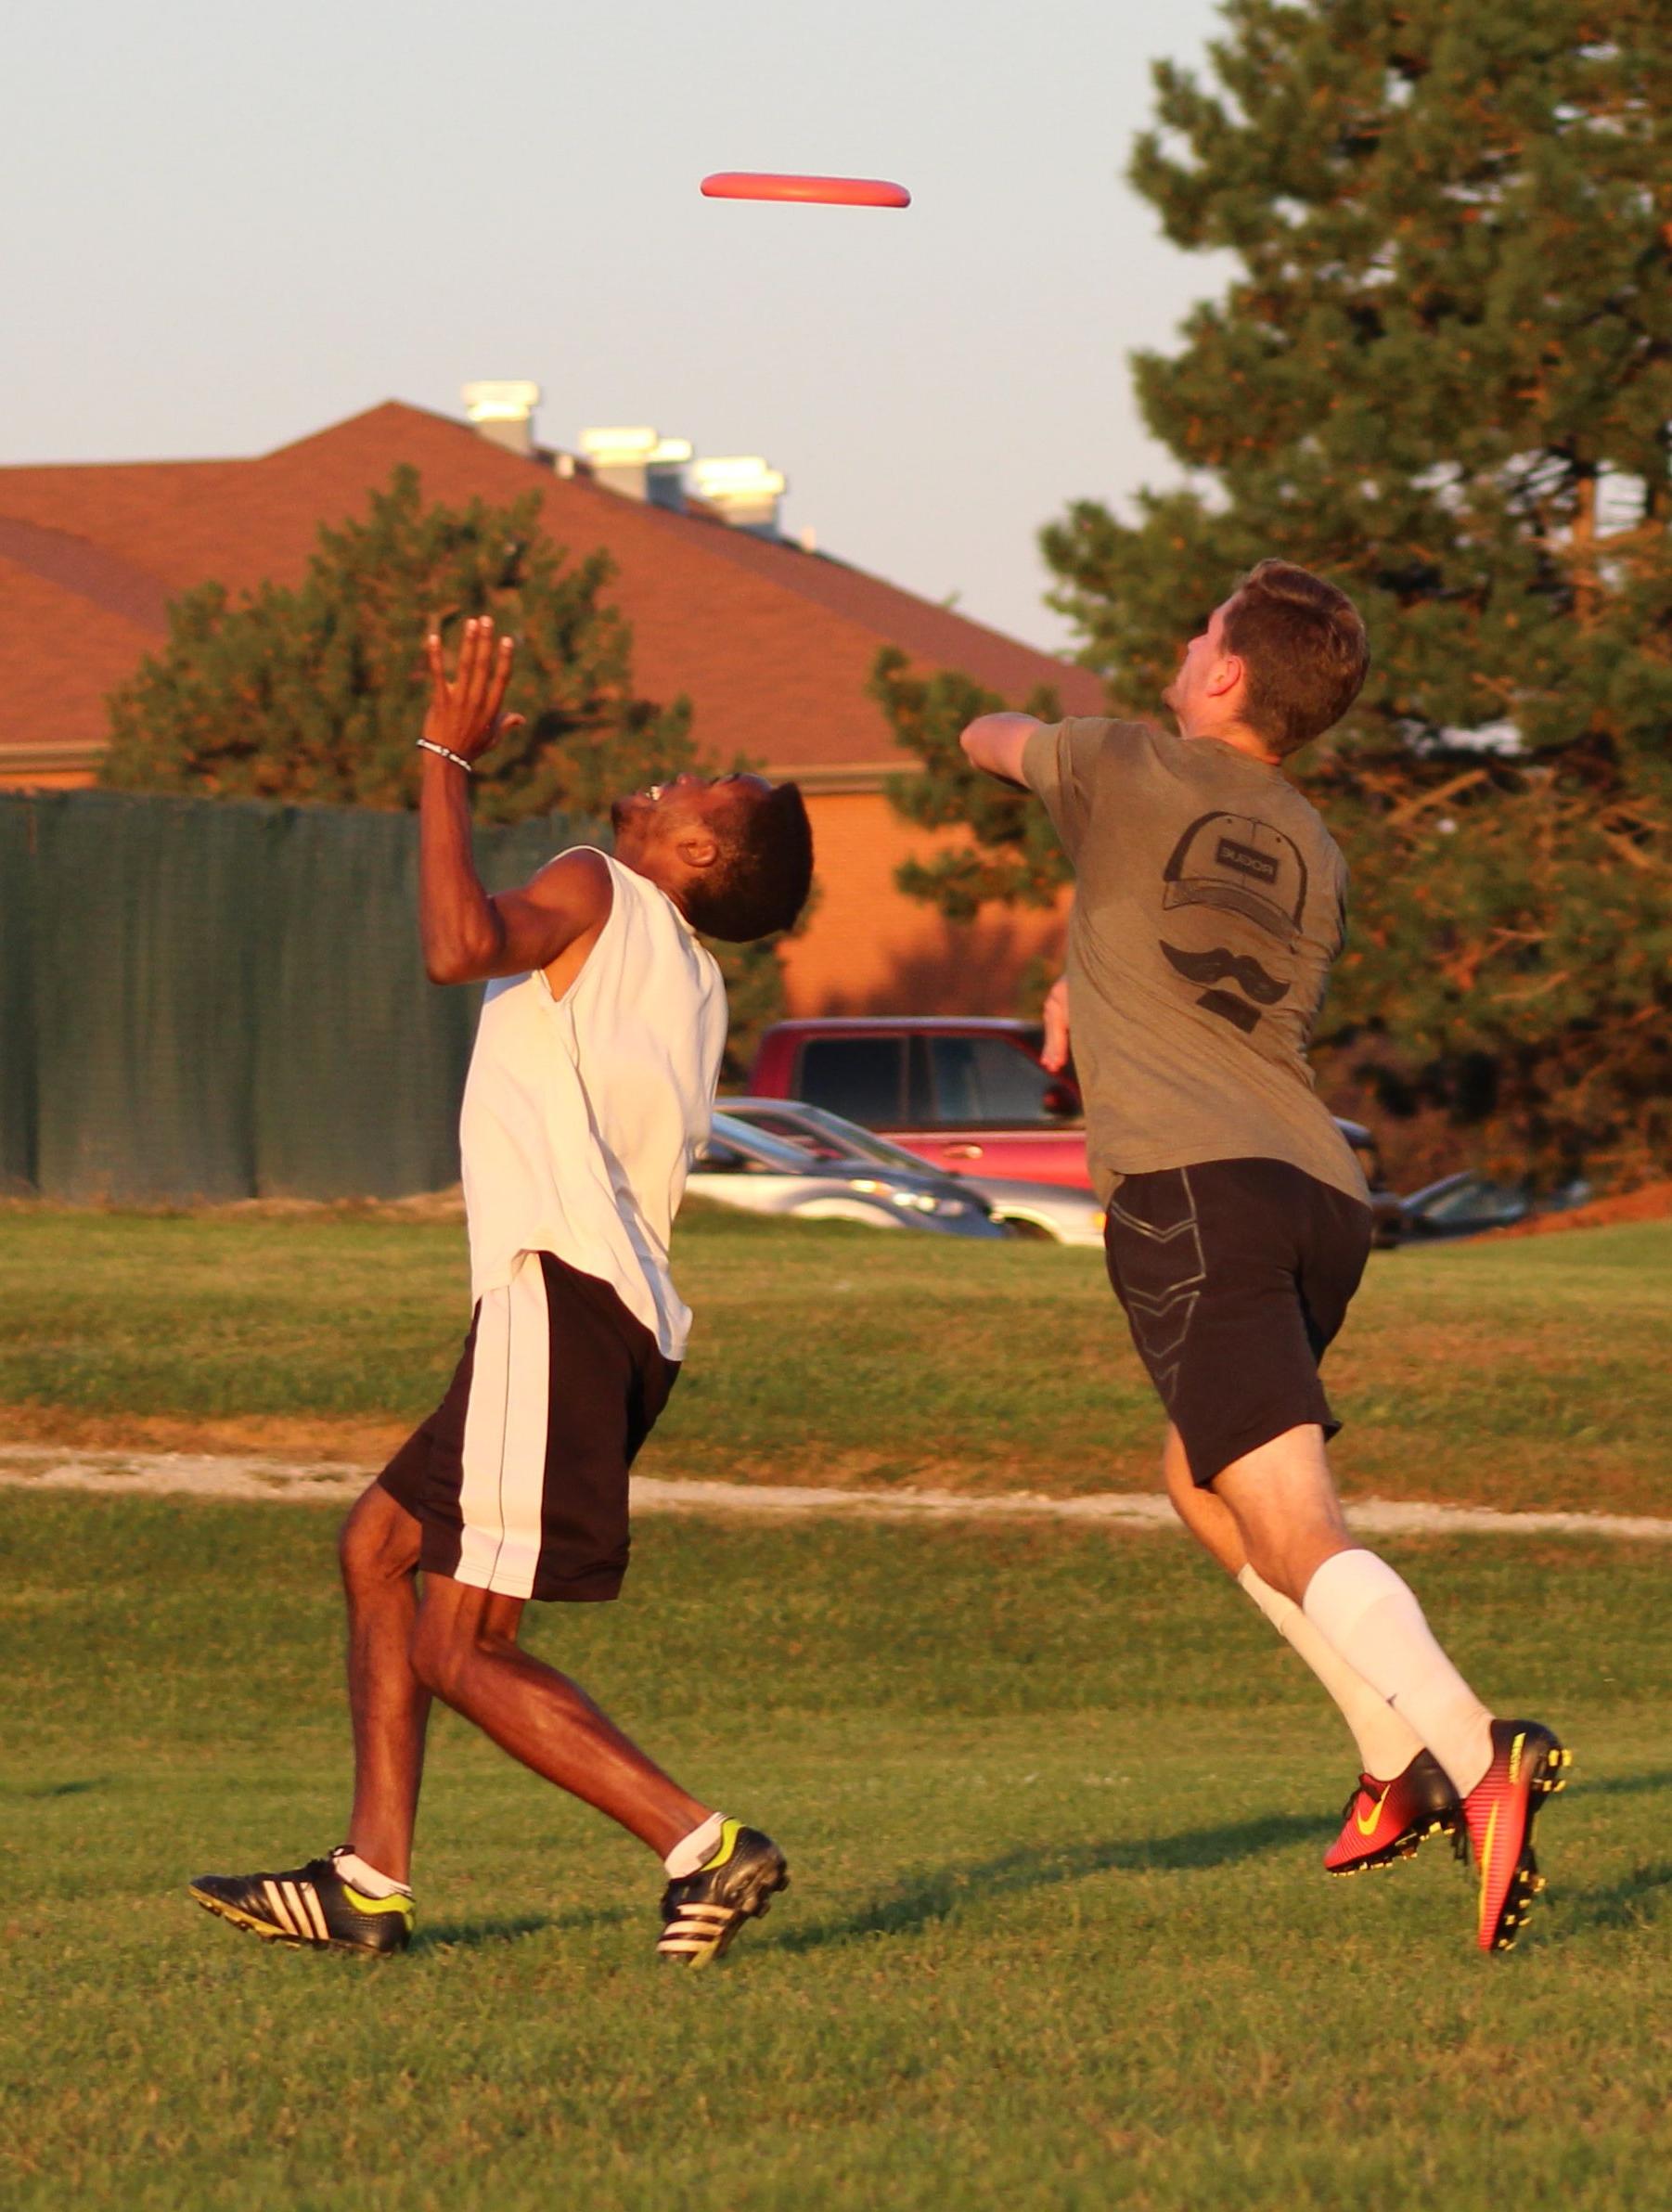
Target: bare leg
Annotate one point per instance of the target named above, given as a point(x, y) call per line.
point(466, 1650)
point(1283, 1509)
point(1282, 1498)
point(1386, 1743)
point(389, 1705)
point(1208, 1518)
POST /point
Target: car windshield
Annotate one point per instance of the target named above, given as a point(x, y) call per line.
point(828, 1136)
point(1474, 1199)
point(757, 1144)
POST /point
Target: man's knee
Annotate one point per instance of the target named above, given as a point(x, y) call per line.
point(379, 1542)
point(456, 1631)
point(442, 1649)
point(1277, 1563)
point(1287, 1555)
point(1283, 1500)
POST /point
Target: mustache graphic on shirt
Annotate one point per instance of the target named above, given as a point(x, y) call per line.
point(1214, 966)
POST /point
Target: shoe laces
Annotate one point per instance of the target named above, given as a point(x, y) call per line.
point(1364, 1787)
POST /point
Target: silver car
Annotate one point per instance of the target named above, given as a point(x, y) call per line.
point(746, 1166)
point(1052, 1211)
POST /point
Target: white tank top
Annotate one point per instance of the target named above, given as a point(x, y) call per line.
point(582, 1114)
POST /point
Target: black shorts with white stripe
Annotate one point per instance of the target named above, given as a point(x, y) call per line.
point(519, 1475)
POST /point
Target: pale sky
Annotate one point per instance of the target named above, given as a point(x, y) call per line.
point(226, 228)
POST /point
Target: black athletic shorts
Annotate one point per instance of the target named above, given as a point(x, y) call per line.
point(519, 1475)
point(1235, 1275)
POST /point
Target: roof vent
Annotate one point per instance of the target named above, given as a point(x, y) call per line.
point(503, 413)
point(639, 463)
point(743, 491)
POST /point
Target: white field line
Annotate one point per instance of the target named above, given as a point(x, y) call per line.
point(205, 1475)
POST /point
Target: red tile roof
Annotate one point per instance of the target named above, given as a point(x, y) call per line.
point(60, 653)
point(772, 644)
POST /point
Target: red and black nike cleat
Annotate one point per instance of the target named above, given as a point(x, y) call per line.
point(1528, 1764)
point(1384, 1822)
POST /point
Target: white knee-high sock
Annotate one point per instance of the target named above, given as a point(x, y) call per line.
point(1372, 1617)
point(1388, 1743)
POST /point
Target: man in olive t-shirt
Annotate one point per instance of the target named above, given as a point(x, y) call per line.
point(1210, 905)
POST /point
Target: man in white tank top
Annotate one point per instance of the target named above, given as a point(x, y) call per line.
point(590, 1087)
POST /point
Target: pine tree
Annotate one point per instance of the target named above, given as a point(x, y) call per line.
point(1441, 374)
point(1012, 856)
point(315, 692)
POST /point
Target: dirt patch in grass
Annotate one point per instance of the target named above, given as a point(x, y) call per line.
point(869, 1469)
point(1575, 1476)
point(347, 1443)
point(368, 1444)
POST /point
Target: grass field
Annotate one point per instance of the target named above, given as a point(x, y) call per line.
point(1055, 1799)
point(1057, 1935)
point(1528, 1374)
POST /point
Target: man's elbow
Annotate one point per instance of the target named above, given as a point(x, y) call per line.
point(993, 745)
point(457, 960)
point(448, 968)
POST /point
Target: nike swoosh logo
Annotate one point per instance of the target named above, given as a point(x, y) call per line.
point(1370, 1827)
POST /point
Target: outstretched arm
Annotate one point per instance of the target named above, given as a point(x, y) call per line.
point(467, 935)
point(994, 743)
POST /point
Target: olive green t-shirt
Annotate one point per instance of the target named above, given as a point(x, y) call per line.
point(1210, 903)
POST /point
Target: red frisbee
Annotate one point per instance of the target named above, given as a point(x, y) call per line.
point(826, 191)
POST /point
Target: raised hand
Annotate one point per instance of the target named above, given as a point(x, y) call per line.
point(464, 717)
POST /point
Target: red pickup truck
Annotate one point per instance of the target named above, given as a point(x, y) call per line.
point(965, 1094)
point(970, 1096)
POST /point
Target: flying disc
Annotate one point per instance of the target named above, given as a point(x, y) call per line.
point(826, 191)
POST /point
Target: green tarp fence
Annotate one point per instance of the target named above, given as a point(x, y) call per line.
point(207, 999)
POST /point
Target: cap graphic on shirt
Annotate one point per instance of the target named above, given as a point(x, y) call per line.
point(1243, 866)
point(1236, 865)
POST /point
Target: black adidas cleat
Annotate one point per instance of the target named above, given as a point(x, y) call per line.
point(702, 1912)
point(312, 1909)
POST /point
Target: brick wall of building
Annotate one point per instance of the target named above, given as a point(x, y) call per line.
point(869, 950)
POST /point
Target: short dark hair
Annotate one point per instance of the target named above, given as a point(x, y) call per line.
point(760, 882)
point(1303, 646)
